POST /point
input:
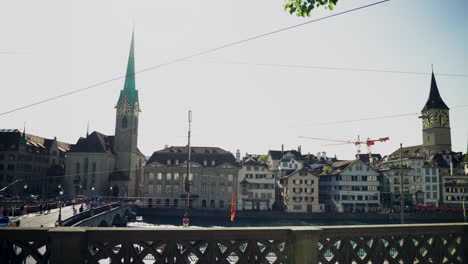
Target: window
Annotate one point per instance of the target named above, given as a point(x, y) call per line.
point(434, 195)
point(213, 163)
point(255, 168)
point(212, 204)
point(150, 188)
point(434, 179)
point(151, 176)
point(10, 167)
point(203, 204)
point(11, 157)
point(159, 176)
point(124, 122)
point(434, 187)
point(221, 204)
point(428, 187)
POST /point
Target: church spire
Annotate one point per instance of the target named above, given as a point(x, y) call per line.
point(129, 89)
point(434, 101)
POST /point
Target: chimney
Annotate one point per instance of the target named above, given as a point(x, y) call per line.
point(318, 155)
point(324, 155)
point(238, 156)
point(282, 148)
point(299, 149)
point(451, 167)
point(166, 146)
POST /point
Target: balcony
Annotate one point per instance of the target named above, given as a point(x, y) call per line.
point(427, 243)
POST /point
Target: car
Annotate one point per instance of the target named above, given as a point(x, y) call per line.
point(9, 221)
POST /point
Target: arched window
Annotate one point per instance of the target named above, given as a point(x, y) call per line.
point(203, 204)
point(124, 122)
point(212, 204)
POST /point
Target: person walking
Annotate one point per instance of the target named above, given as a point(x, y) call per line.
point(21, 210)
point(28, 208)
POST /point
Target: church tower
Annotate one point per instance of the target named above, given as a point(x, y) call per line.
point(126, 122)
point(436, 123)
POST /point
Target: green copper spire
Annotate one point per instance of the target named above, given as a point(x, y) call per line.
point(129, 90)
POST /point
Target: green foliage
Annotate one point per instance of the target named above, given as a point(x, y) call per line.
point(262, 158)
point(303, 8)
point(465, 157)
point(327, 169)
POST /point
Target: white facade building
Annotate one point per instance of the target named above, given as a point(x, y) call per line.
point(256, 186)
point(350, 186)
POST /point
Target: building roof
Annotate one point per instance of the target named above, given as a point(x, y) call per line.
point(411, 151)
point(434, 101)
point(37, 143)
point(198, 155)
point(94, 143)
point(278, 154)
point(129, 91)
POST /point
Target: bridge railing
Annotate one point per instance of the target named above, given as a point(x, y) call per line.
point(71, 221)
point(429, 243)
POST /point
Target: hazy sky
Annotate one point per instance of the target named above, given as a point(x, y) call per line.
point(52, 47)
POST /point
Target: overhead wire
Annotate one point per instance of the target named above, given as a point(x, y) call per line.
point(192, 56)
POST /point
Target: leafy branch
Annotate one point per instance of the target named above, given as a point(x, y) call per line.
point(303, 8)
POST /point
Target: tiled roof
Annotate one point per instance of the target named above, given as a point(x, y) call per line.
point(94, 143)
point(14, 136)
point(411, 151)
point(198, 155)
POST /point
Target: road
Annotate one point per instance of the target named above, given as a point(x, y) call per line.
point(46, 220)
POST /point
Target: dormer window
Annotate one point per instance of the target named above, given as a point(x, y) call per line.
point(176, 162)
point(213, 163)
point(205, 163)
point(168, 162)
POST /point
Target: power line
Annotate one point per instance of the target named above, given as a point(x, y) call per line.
point(192, 56)
point(375, 118)
point(333, 68)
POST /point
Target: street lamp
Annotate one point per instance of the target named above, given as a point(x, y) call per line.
point(59, 221)
point(25, 189)
point(92, 189)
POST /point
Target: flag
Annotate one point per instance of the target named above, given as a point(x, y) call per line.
point(233, 206)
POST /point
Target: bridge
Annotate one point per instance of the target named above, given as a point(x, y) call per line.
point(414, 243)
point(104, 216)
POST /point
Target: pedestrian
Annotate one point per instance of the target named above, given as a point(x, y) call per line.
point(27, 209)
point(48, 207)
point(21, 210)
point(40, 208)
point(81, 208)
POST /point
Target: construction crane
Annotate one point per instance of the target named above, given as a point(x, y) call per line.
point(368, 142)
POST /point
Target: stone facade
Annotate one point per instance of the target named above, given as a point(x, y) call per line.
point(300, 192)
point(36, 161)
point(213, 178)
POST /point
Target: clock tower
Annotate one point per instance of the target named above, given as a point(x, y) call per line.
point(126, 123)
point(436, 123)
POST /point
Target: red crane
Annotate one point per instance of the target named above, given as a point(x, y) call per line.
point(368, 142)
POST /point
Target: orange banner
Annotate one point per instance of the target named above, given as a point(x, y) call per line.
point(233, 206)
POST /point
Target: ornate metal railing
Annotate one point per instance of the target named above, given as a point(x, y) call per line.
point(432, 243)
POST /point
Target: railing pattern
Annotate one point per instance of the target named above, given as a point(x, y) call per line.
point(224, 246)
point(26, 246)
point(390, 244)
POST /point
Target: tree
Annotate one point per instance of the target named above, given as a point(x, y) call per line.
point(303, 8)
point(262, 158)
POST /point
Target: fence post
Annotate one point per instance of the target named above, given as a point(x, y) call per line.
point(68, 245)
point(304, 244)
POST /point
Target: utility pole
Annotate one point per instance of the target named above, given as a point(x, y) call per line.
point(402, 199)
point(185, 221)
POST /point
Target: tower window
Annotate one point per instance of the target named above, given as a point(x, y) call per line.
point(124, 122)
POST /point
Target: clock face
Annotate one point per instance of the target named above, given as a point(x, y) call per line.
point(444, 119)
point(125, 107)
point(436, 119)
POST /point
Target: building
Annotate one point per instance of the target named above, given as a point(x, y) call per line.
point(454, 190)
point(36, 161)
point(350, 186)
point(300, 192)
point(102, 165)
point(256, 186)
point(281, 158)
point(213, 178)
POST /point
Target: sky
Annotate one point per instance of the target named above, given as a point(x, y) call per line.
point(241, 96)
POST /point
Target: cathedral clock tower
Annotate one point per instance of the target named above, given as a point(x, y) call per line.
point(436, 123)
point(126, 125)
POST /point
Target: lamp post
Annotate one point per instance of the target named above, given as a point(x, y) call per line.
point(59, 221)
point(92, 189)
point(25, 190)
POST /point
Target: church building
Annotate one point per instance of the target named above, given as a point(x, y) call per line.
point(104, 165)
